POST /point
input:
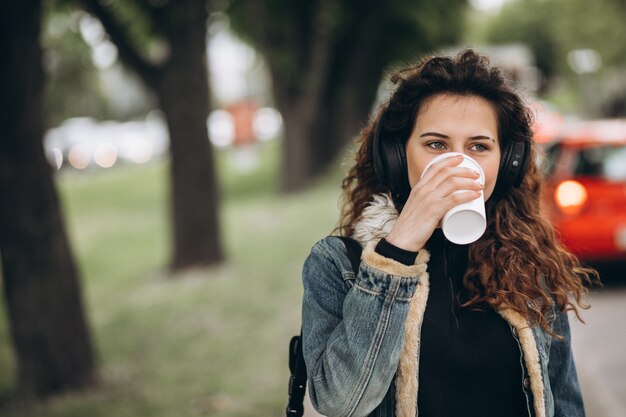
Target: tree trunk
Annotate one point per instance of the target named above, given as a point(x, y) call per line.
point(183, 94)
point(329, 101)
point(41, 283)
point(298, 160)
point(317, 132)
point(315, 137)
point(181, 86)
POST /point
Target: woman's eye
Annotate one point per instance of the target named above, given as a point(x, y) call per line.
point(478, 147)
point(436, 145)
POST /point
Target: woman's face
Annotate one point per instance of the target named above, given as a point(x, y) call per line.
point(455, 123)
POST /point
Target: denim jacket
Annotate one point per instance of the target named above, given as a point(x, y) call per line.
point(361, 333)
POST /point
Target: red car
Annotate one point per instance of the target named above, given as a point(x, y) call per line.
point(585, 193)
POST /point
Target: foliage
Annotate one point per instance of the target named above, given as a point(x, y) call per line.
point(74, 84)
point(143, 33)
point(552, 28)
point(284, 30)
point(72, 88)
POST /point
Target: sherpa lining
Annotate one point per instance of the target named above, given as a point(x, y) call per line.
point(407, 380)
point(393, 267)
point(531, 356)
point(376, 221)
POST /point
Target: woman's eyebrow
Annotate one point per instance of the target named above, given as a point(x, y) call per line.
point(442, 136)
point(438, 135)
point(482, 137)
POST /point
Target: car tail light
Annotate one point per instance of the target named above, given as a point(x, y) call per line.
point(570, 197)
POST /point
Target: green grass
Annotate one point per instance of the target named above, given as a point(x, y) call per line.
point(208, 341)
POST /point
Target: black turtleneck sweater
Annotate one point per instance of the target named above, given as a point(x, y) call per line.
point(470, 363)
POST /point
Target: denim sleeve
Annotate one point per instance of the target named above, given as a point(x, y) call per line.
point(568, 401)
point(353, 332)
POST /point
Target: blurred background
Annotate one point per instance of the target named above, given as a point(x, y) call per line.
point(165, 167)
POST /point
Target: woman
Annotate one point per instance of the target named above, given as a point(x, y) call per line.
point(426, 326)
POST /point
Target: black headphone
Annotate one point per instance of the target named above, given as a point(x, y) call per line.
point(392, 170)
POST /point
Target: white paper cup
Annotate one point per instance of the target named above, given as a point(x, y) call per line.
point(466, 222)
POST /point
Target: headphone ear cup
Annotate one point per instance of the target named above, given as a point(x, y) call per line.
point(397, 173)
point(379, 155)
point(501, 183)
point(390, 165)
point(513, 164)
point(398, 170)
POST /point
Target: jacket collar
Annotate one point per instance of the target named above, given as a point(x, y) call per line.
point(376, 221)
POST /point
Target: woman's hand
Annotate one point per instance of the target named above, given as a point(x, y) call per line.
point(433, 195)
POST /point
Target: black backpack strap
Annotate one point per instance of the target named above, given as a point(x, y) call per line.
point(297, 380)
point(297, 367)
point(354, 252)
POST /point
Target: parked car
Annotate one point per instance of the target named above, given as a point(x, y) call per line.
point(585, 193)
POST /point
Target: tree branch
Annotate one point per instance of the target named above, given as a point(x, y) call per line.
point(128, 54)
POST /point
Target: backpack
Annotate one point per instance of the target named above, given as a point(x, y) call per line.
point(297, 367)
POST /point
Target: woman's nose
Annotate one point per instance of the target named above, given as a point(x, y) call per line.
point(458, 149)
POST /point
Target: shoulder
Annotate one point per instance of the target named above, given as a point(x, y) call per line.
point(330, 253)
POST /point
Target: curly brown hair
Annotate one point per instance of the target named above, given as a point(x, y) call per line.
point(518, 263)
